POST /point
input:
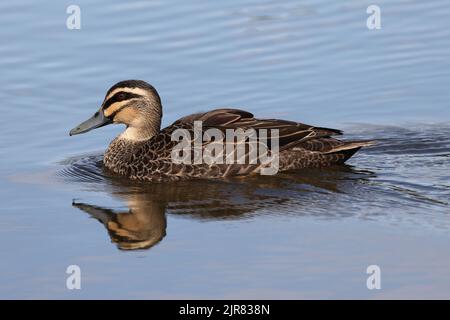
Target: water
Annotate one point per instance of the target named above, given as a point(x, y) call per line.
point(309, 234)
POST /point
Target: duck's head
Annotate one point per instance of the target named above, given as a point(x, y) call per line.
point(134, 103)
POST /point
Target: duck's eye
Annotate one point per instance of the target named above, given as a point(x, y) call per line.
point(121, 96)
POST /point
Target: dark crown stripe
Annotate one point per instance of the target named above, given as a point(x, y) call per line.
point(130, 84)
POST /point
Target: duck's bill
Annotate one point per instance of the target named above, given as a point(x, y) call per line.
point(96, 121)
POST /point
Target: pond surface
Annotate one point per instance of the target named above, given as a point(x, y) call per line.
point(308, 234)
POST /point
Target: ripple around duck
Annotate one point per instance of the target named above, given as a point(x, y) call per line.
point(83, 169)
point(381, 180)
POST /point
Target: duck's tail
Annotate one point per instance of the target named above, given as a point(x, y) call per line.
point(349, 148)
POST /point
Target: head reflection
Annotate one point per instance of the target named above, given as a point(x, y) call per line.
point(141, 227)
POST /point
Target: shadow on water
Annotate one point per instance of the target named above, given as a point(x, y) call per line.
point(397, 183)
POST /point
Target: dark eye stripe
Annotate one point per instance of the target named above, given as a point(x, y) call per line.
point(112, 115)
point(120, 96)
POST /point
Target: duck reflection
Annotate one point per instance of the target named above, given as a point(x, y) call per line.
point(144, 224)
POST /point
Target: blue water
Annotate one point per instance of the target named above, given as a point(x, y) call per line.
point(309, 234)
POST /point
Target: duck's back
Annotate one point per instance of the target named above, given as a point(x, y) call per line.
point(300, 146)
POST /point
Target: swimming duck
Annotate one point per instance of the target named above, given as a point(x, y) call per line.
point(145, 152)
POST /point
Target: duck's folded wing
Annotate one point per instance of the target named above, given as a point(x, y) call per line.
point(290, 133)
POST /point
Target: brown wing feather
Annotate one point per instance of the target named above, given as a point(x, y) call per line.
point(290, 133)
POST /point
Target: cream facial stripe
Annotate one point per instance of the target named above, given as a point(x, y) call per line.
point(114, 108)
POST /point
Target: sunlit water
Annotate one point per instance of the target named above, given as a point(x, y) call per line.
point(308, 234)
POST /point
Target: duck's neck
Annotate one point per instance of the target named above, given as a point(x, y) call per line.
point(122, 150)
point(125, 147)
point(144, 127)
point(136, 134)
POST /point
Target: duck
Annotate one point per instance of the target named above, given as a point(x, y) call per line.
point(145, 152)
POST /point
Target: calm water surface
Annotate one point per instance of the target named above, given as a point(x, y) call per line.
point(308, 234)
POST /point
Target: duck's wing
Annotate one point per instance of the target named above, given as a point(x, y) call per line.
point(307, 143)
point(290, 133)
